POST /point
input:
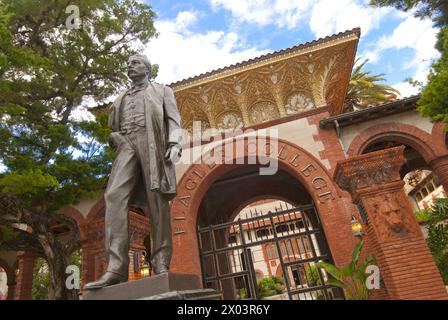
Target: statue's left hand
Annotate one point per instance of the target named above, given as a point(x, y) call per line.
point(173, 153)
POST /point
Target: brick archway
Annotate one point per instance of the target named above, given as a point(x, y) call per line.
point(414, 137)
point(439, 138)
point(255, 199)
point(334, 207)
point(432, 147)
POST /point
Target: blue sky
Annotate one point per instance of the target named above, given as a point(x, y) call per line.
point(197, 36)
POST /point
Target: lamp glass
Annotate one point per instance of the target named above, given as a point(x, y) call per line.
point(356, 227)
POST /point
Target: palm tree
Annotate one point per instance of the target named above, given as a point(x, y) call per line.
point(364, 91)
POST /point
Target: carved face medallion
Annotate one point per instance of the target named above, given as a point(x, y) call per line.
point(390, 217)
point(393, 216)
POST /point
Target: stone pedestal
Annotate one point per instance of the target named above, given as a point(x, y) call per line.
point(406, 264)
point(144, 288)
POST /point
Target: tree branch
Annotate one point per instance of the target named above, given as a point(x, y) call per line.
point(25, 241)
point(73, 242)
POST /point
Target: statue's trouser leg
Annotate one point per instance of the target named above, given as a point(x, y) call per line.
point(125, 171)
point(161, 229)
point(158, 207)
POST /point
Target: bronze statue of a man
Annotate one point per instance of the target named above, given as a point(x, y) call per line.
point(145, 125)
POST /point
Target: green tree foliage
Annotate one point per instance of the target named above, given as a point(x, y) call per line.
point(41, 280)
point(270, 286)
point(352, 277)
point(41, 277)
point(313, 279)
point(438, 235)
point(435, 9)
point(365, 90)
point(434, 98)
point(52, 158)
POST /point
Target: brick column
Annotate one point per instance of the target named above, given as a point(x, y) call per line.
point(24, 282)
point(11, 291)
point(440, 168)
point(406, 264)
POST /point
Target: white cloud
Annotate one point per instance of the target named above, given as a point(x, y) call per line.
point(325, 17)
point(416, 34)
point(181, 53)
point(283, 13)
point(3, 168)
point(330, 16)
point(81, 113)
point(406, 89)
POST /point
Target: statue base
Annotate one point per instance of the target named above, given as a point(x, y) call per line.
point(165, 286)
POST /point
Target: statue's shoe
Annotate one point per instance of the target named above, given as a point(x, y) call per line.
point(107, 279)
point(160, 269)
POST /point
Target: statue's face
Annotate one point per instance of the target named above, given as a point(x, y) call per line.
point(136, 68)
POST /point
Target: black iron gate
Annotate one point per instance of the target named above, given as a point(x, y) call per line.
point(237, 256)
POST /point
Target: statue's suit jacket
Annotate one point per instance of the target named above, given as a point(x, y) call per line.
point(163, 126)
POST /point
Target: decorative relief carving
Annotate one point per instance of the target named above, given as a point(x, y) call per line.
point(262, 112)
point(390, 216)
point(299, 102)
point(372, 169)
point(230, 120)
point(306, 81)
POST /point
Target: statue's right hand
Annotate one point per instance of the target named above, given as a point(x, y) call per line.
point(113, 141)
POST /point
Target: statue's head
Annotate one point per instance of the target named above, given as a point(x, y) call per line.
point(139, 67)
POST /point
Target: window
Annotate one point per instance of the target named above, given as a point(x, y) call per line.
point(283, 249)
point(300, 224)
point(286, 248)
point(233, 239)
point(430, 187)
point(262, 233)
point(271, 251)
point(282, 228)
point(424, 192)
point(300, 245)
point(307, 244)
point(418, 196)
point(289, 246)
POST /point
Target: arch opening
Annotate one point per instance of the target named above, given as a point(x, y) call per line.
point(3, 284)
point(249, 225)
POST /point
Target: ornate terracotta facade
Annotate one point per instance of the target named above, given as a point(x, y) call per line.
point(373, 180)
point(272, 87)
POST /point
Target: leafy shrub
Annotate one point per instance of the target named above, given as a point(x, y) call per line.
point(271, 286)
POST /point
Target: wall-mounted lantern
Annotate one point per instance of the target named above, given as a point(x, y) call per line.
point(141, 264)
point(356, 227)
